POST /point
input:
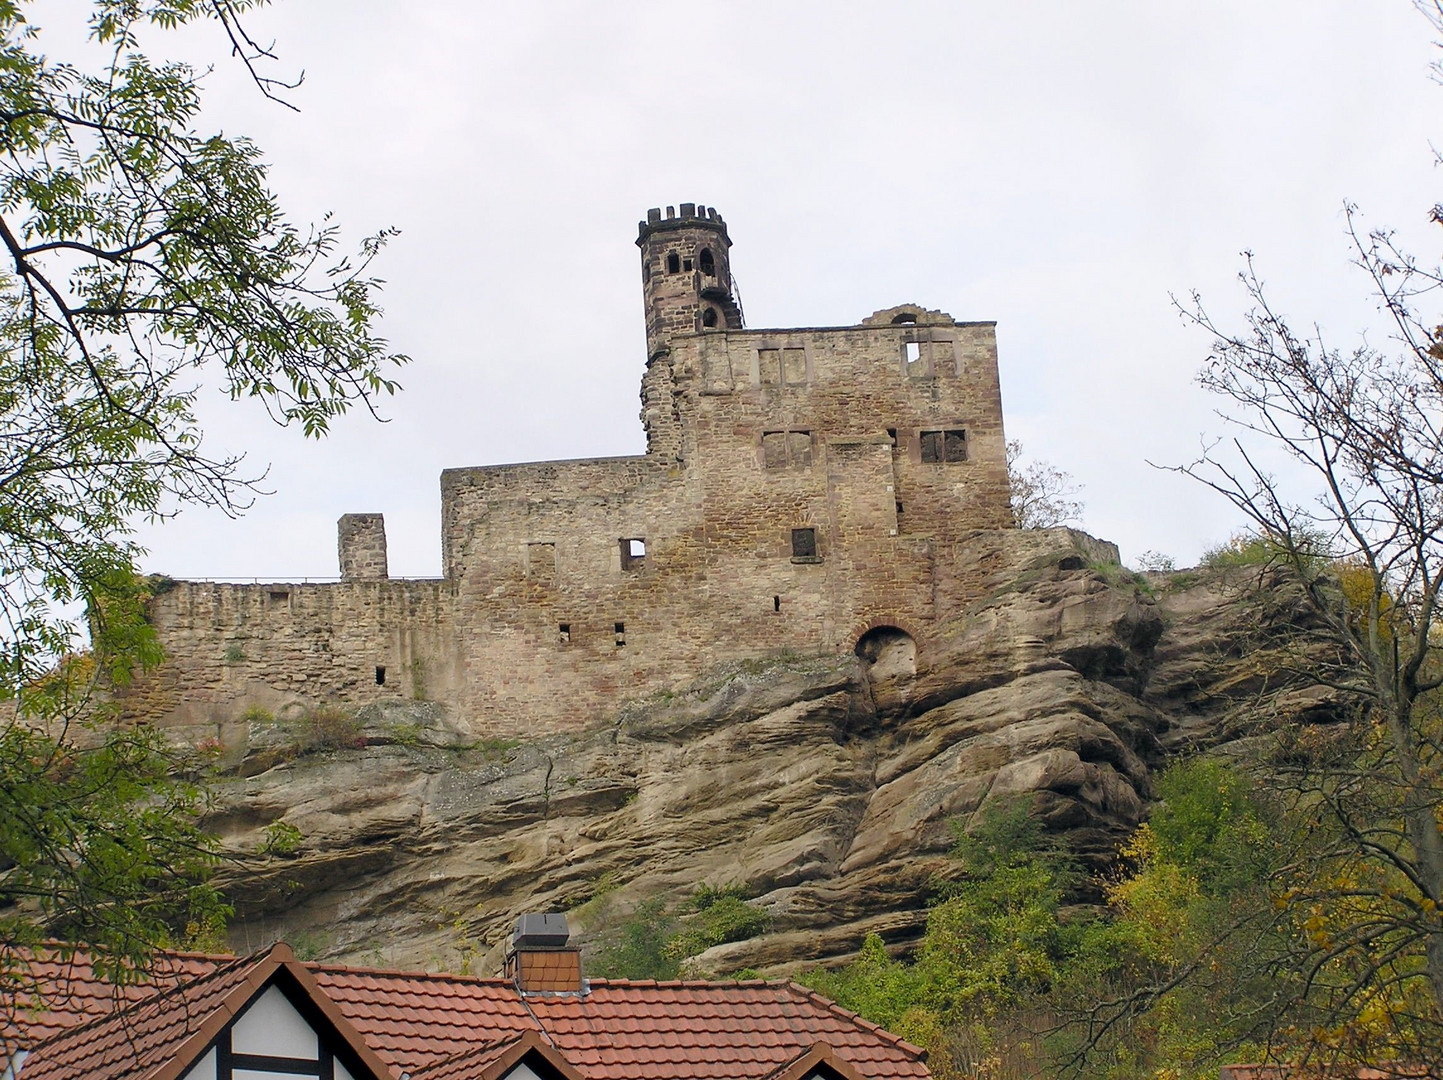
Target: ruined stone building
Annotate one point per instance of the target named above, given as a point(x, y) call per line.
point(801, 489)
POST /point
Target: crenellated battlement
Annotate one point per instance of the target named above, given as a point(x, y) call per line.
point(692, 216)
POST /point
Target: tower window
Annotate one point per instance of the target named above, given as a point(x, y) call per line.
point(380, 675)
point(776, 603)
point(673, 263)
point(804, 543)
point(621, 633)
point(782, 366)
point(944, 446)
point(633, 553)
point(645, 272)
point(706, 263)
point(786, 449)
point(916, 360)
point(563, 633)
point(708, 317)
point(686, 264)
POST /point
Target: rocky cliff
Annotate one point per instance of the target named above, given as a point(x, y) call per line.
point(825, 787)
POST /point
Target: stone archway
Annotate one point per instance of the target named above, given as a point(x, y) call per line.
point(889, 654)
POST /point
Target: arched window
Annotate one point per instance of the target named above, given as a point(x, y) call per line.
point(704, 260)
point(708, 317)
point(673, 263)
point(906, 318)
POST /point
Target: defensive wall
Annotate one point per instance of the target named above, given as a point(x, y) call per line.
point(800, 487)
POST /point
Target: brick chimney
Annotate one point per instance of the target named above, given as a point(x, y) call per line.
point(540, 961)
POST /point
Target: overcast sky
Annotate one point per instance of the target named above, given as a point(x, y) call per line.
point(1059, 167)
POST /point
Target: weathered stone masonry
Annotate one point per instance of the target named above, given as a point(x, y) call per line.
point(800, 487)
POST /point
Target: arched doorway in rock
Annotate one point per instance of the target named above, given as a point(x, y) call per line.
point(888, 652)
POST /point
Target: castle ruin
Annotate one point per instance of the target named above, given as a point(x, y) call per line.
point(803, 490)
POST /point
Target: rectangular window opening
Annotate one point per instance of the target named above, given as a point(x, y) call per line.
point(380, 675)
point(620, 633)
point(563, 632)
point(794, 367)
point(541, 561)
point(279, 596)
point(944, 446)
point(633, 552)
point(916, 360)
point(804, 543)
point(769, 363)
point(786, 449)
point(776, 603)
point(892, 435)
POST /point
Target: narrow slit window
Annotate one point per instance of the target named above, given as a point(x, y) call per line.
point(776, 603)
point(892, 436)
point(673, 263)
point(706, 263)
point(563, 632)
point(804, 543)
point(620, 633)
point(380, 675)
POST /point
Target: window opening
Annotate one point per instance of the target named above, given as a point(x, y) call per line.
point(673, 263)
point(645, 272)
point(380, 675)
point(563, 631)
point(906, 318)
point(621, 633)
point(804, 543)
point(778, 367)
point(794, 367)
point(916, 360)
point(686, 264)
point(708, 317)
point(892, 436)
point(706, 262)
point(786, 449)
point(776, 603)
point(279, 596)
point(944, 446)
point(633, 552)
point(541, 561)
point(899, 509)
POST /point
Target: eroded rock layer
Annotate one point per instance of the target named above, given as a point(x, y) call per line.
point(826, 787)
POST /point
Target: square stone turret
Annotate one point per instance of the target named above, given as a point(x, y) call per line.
point(361, 544)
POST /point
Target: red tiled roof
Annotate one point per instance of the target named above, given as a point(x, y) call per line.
point(147, 1035)
point(444, 1027)
point(60, 993)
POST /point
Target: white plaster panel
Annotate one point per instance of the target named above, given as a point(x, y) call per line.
point(204, 1069)
point(521, 1071)
point(343, 1073)
point(272, 1026)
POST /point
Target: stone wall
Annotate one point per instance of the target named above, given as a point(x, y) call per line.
point(801, 486)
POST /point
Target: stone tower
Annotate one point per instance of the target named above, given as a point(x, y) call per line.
point(686, 281)
point(686, 274)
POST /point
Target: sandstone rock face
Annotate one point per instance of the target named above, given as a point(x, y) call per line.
point(827, 787)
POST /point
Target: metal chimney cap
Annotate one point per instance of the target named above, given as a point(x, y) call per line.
point(546, 931)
